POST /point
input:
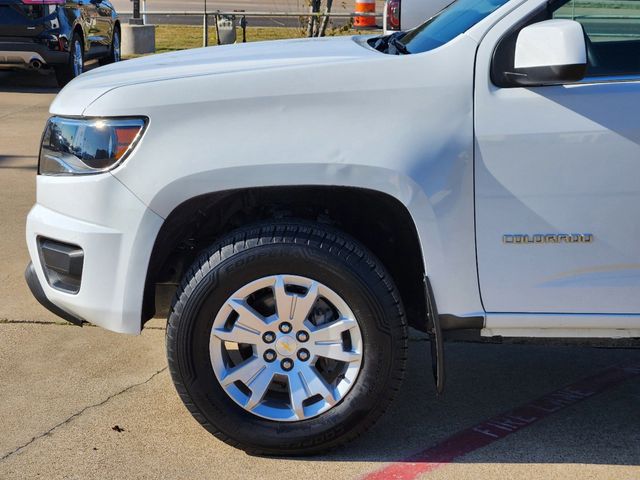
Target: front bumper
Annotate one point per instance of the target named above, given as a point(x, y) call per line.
point(31, 277)
point(21, 53)
point(115, 232)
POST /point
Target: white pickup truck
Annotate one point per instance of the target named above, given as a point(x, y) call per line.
point(500, 196)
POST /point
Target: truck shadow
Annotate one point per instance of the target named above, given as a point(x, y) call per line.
point(486, 380)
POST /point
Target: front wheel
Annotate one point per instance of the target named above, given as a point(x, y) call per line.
point(114, 50)
point(75, 64)
point(287, 339)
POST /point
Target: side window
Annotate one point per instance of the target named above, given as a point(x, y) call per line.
point(612, 29)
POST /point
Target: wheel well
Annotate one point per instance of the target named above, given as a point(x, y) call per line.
point(378, 221)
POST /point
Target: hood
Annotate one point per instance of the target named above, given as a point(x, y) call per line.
point(228, 59)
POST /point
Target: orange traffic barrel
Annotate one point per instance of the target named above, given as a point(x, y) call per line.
point(365, 6)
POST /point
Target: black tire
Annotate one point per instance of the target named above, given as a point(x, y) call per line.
point(67, 72)
point(321, 253)
point(114, 50)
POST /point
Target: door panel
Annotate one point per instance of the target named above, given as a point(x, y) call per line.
point(103, 22)
point(558, 184)
point(89, 15)
point(559, 160)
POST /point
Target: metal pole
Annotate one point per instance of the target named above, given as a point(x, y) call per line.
point(215, 19)
point(243, 25)
point(205, 27)
point(136, 20)
point(144, 8)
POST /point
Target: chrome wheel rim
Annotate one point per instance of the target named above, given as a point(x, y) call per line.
point(77, 58)
point(286, 348)
point(116, 46)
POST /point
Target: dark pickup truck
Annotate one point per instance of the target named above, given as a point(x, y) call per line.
point(58, 34)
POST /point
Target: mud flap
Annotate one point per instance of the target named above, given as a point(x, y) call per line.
point(435, 338)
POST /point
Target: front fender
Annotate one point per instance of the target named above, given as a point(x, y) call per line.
point(319, 125)
point(451, 278)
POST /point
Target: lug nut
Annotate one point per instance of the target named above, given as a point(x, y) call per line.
point(302, 336)
point(303, 354)
point(286, 364)
point(285, 327)
point(270, 355)
point(269, 337)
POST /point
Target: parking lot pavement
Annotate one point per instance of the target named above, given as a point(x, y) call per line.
point(63, 389)
point(24, 102)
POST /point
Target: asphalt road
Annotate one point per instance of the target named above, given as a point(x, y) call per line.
point(64, 389)
point(346, 6)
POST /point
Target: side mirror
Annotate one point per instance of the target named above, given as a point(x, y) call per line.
point(549, 53)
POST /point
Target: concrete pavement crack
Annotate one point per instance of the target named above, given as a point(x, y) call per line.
point(32, 322)
point(10, 321)
point(77, 414)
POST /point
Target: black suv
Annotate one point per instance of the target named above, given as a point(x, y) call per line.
point(58, 34)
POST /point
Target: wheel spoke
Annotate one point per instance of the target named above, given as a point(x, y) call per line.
point(316, 385)
point(303, 305)
point(306, 383)
point(333, 331)
point(245, 372)
point(284, 301)
point(291, 307)
point(259, 385)
point(297, 393)
point(239, 334)
point(334, 351)
point(247, 316)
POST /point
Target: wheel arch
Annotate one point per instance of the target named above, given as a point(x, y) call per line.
point(196, 223)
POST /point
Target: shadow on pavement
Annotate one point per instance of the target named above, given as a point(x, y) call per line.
point(21, 162)
point(485, 380)
point(26, 81)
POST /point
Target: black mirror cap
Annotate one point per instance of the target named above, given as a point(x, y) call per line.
point(543, 76)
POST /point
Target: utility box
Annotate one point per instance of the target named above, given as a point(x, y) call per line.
point(138, 39)
point(226, 29)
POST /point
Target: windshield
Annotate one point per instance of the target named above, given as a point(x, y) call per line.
point(457, 18)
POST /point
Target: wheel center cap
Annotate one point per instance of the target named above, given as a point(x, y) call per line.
point(286, 346)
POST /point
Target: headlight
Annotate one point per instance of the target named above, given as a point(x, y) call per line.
point(76, 146)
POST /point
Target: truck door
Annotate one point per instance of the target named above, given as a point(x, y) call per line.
point(91, 27)
point(103, 22)
point(557, 172)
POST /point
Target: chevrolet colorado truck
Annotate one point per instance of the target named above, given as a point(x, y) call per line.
point(303, 236)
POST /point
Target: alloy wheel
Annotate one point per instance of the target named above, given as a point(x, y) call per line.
point(78, 63)
point(286, 348)
point(116, 46)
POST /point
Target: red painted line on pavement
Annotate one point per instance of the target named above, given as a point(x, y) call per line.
point(505, 424)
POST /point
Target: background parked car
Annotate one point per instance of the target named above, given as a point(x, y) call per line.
point(58, 34)
point(408, 14)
